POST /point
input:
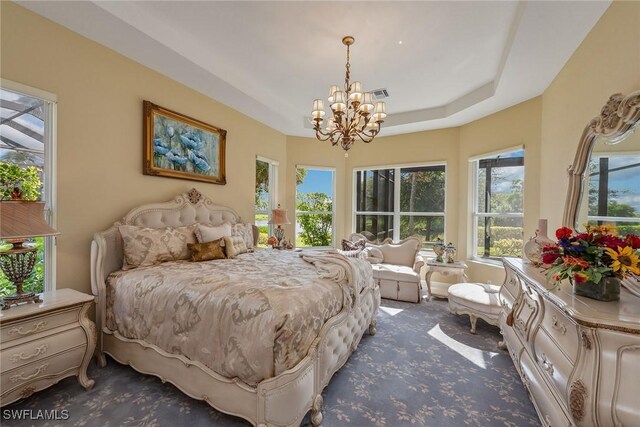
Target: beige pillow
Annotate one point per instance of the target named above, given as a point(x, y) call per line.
point(210, 233)
point(150, 246)
point(234, 246)
point(246, 232)
point(373, 255)
point(207, 251)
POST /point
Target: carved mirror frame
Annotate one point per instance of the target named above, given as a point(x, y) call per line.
point(619, 116)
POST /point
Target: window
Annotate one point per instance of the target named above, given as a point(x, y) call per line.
point(498, 205)
point(401, 202)
point(27, 144)
point(266, 185)
point(315, 216)
point(614, 191)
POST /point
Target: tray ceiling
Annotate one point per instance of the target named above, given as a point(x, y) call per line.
point(443, 63)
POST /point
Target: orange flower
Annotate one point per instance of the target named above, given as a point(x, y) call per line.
point(570, 261)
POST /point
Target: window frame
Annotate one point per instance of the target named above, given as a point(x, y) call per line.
point(333, 205)
point(50, 171)
point(474, 166)
point(396, 214)
point(273, 189)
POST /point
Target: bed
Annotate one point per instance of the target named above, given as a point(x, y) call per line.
point(278, 381)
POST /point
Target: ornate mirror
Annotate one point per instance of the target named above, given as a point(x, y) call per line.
point(604, 180)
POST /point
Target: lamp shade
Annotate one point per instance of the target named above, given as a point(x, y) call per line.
point(279, 217)
point(20, 219)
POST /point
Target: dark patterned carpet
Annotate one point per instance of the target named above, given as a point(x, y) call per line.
point(422, 368)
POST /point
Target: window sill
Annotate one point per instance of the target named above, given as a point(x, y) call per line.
point(487, 262)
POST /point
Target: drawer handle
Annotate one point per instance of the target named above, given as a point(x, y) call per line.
point(22, 377)
point(36, 328)
point(546, 365)
point(21, 356)
point(555, 324)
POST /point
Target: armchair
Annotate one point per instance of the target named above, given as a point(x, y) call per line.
point(398, 275)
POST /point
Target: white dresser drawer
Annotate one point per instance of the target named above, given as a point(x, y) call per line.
point(546, 404)
point(526, 313)
point(511, 285)
point(49, 367)
point(19, 355)
point(562, 330)
point(514, 345)
point(36, 325)
point(552, 363)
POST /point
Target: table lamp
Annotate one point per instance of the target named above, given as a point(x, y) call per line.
point(19, 221)
point(279, 217)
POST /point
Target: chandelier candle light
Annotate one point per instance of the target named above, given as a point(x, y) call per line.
point(354, 114)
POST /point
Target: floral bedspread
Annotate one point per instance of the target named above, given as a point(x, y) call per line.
point(250, 317)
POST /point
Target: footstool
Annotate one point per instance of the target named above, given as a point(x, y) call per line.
point(476, 300)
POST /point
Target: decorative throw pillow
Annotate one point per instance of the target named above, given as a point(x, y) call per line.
point(207, 251)
point(209, 233)
point(150, 246)
point(373, 255)
point(234, 246)
point(357, 253)
point(246, 232)
point(348, 245)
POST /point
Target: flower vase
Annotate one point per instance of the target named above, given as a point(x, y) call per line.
point(533, 248)
point(607, 290)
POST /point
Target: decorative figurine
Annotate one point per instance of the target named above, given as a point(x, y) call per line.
point(450, 250)
point(534, 247)
point(438, 249)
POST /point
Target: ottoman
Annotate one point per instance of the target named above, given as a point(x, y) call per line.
point(476, 300)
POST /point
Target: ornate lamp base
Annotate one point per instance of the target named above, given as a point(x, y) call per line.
point(17, 264)
point(279, 233)
point(15, 299)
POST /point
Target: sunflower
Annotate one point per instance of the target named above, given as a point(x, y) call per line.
point(604, 229)
point(625, 260)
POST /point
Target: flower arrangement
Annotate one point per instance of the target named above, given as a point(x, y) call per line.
point(272, 241)
point(591, 255)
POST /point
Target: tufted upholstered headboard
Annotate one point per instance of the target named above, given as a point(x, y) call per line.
point(186, 209)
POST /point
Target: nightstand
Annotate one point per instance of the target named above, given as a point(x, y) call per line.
point(441, 290)
point(42, 343)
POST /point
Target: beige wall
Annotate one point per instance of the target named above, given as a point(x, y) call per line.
point(607, 62)
point(100, 96)
point(515, 126)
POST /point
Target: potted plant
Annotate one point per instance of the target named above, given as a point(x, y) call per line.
point(593, 261)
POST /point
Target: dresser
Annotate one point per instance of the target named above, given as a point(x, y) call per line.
point(42, 343)
point(578, 358)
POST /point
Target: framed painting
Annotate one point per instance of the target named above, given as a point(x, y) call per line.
point(178, 146)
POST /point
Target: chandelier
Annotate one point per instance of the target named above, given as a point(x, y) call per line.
point(354, 115)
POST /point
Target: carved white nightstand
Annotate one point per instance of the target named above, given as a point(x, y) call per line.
point(42, 343)
point(457, 269)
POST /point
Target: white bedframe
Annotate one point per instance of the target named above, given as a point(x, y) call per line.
point(280, 401)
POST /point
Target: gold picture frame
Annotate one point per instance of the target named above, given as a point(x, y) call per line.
point(178, 146)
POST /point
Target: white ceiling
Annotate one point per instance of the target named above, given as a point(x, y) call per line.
point(458, 61)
